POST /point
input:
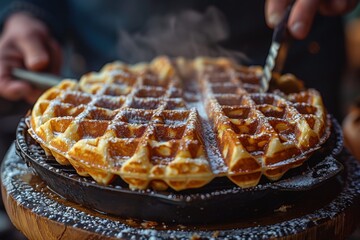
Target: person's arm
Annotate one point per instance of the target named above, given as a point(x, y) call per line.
point(303, 12)
point(27, 42)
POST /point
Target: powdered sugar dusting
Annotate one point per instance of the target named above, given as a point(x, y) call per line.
point(217, 162)
point(16, 178)
point(211, 101)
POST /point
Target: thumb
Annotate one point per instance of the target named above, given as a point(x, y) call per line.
point(35, 53)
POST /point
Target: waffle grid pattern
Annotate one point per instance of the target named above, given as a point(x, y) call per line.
point(133, 122)
point(116, 124)
point(259, 133)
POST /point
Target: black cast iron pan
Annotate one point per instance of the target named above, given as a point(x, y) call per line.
point(217, 202)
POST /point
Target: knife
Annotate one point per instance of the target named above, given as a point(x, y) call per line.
point(278, 41)
point(39, 80)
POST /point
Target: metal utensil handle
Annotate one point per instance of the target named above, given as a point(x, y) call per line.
point(281, 28)
point(40, 80)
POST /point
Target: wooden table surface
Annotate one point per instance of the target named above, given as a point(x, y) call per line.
point(330, 212)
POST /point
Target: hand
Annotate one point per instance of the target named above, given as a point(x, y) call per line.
point(351, 129)
point(303, 12)
point(25, 42)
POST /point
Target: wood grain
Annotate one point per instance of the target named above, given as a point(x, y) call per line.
point(29, 204)
point(36, 227)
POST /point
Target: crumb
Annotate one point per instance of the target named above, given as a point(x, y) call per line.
point(283, 208)
point(216, 234)
point(181, 227)
point(195, 237)
point(131, 222)
point(149, 224)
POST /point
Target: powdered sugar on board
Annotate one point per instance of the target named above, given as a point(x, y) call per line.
point(18, 182)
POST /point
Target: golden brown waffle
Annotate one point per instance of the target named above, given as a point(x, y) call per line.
point(259, 133)
point(149, 126)
point(131, 123)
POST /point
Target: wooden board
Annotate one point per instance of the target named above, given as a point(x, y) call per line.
point(330, 212)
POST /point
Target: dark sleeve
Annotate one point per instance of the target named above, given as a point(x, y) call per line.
point(52, 13)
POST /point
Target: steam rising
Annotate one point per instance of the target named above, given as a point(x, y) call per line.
point(188, 34)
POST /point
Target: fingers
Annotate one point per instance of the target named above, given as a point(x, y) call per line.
point(40, 53)
point(32, 38)
point(9, 88)
point(25, 42)
point(274, 10)
point(13, 89)
point(303, 13)
point(301, 17)
point(36, 56)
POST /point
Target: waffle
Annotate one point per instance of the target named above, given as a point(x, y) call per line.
point(138, 122)
point(259, 133)
point(127, 122)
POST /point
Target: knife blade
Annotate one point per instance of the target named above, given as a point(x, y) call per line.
point(278, 39)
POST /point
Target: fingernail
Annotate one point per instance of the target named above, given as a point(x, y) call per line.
point(274, 19)
point(297, 28)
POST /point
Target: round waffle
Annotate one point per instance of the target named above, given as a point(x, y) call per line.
point(138, 122)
